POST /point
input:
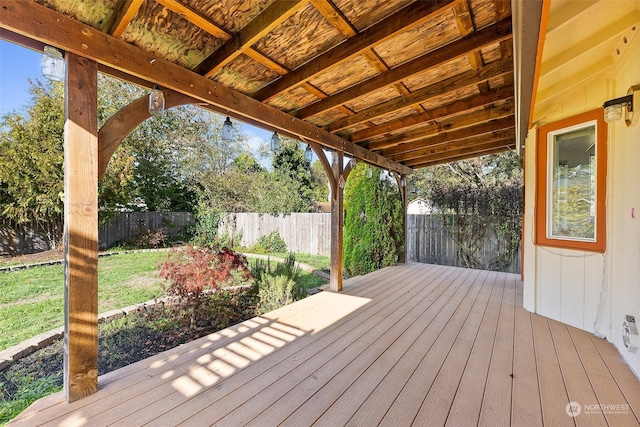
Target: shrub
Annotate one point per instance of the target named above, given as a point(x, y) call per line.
point(270, 243)
point(279, 287)
point(193, 272)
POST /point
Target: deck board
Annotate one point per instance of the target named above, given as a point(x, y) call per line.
point(413, 344)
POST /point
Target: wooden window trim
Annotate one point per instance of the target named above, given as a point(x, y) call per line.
point(541, 183)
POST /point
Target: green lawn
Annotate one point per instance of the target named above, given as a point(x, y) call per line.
point(32, 300)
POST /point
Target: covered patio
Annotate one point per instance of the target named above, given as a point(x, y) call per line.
point(412, 344)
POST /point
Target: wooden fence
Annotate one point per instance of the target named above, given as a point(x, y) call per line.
point(462, 241)
point(129, 224)
point(22, 239)
point(307, 233)
point(431, 239)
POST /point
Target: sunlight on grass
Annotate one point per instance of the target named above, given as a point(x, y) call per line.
point(32, 300)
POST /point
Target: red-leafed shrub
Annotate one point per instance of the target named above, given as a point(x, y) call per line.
point(193, 272)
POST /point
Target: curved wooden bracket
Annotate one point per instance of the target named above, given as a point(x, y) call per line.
point(126, 120)
point(333, 181)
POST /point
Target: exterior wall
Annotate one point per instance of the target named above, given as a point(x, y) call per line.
point(587, 290)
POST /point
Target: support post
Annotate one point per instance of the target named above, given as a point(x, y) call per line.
point(402, 187)
point(81, 228)
point(337, 222)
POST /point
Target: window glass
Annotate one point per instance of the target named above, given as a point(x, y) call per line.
point(572, 181)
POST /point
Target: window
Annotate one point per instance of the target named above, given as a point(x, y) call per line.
point(571, 174)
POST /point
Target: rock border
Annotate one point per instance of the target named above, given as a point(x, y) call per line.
point(25, 348)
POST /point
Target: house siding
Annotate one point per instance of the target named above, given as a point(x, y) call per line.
point(588, 290)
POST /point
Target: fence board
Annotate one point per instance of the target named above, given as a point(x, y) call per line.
point(430, 238)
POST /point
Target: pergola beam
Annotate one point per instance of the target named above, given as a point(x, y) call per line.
point(419, 155)
point(473, 77)
point(466, 153)
point(439, 113)
point(384, 30)
point(487, 36)
point(270, 18)
point(394, 144)
point(41, 23)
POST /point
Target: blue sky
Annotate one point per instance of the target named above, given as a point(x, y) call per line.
point(18, 64)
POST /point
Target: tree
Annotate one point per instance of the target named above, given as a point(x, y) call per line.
point(31, 161)
point(373, 227)
point(486, 195)
point(293, 171)
point(319, 182)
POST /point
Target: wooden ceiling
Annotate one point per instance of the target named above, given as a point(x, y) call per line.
point(398, 83)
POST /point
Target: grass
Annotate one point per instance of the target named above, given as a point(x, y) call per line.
point(321, 262)
point(32, 300)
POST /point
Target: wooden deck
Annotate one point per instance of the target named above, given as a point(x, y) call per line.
point(414, 344)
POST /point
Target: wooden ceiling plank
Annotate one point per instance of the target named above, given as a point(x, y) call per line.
point(473, 77)
point(452, 135)
point(313, 90)
point(271, 17)
point(122, 16)
point(406, 18)
point(438, 113)
point(460, 143)
point(571, 53)
point(335, 17)
point(196, 18)
point(489, 35)
point(265, 60)
point(493, 148)
point(463, 17)
point(503, 9)
point(457, 122)
point(36, 21)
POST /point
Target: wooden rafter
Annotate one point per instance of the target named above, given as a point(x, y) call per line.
point(439, 113)
point(407, 18)
point(122, 16)
point(41, 23)
point(449, 136)
point(466, 153)
point(271, 17)
point(489, 35)
point(335, 17)
point(196, 18)
point(431, 148)
point(472, 77)
point(458, 122)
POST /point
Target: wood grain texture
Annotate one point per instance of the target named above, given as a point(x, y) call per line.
point(81, 228)
point(407, 344)
point(40, 22)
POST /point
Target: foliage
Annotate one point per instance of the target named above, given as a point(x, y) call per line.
point(319, 182)
point(31, 160)
point(28, 391)
point(193, 272)
point(270, 243)
point(279, 286)
point(373, 230)
point(294, 171)
point(486, 193)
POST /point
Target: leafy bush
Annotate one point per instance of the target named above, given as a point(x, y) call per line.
point(29, 390)
point(280, 286)
point(193, 272)
point(270, 243)
point(373, 226)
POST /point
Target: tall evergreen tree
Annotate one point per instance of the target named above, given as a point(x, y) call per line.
point(373, 227)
